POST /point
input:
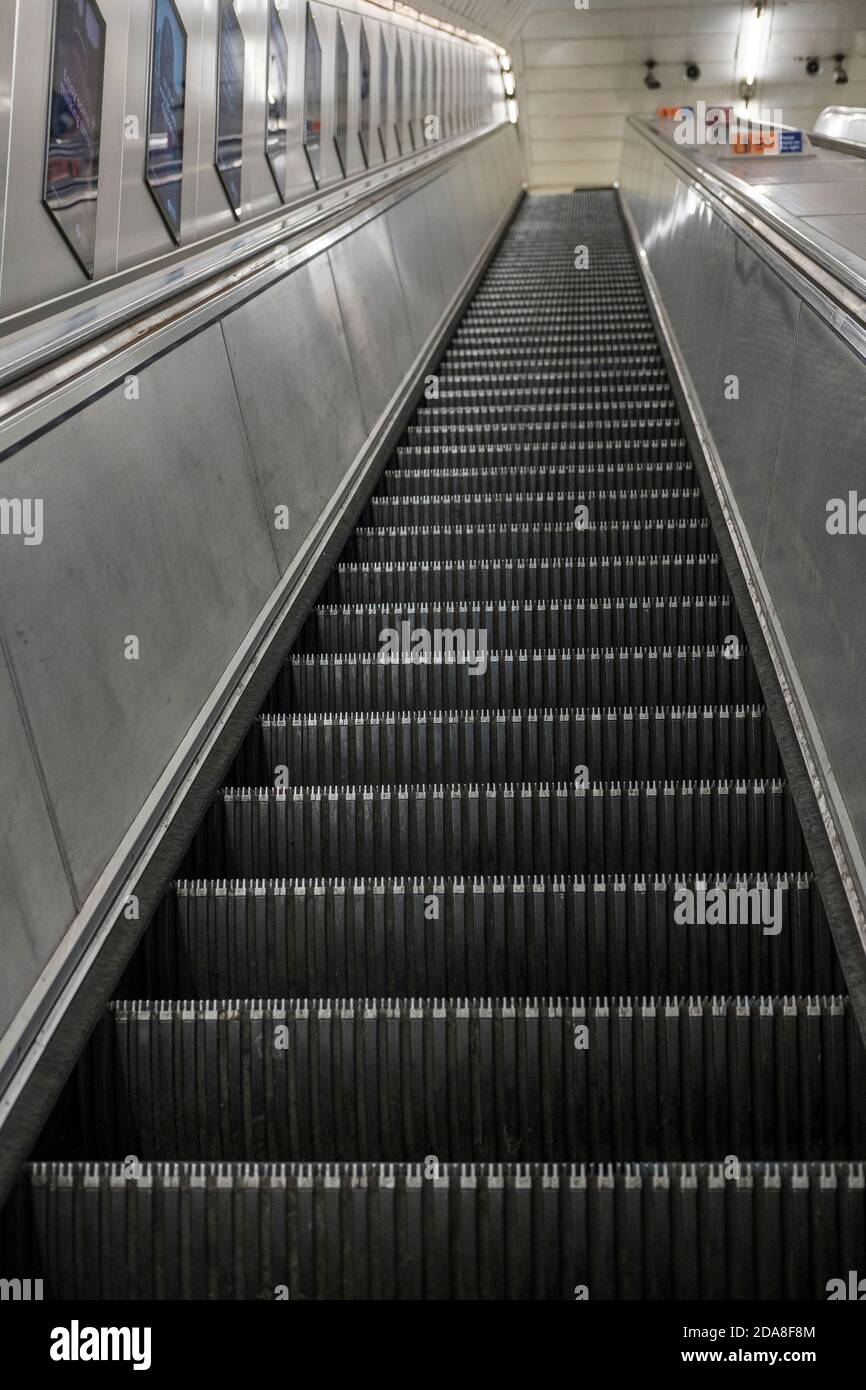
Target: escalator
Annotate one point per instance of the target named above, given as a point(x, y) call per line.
point(497, 969)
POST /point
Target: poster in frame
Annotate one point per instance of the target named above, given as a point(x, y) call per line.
point(70, 184)
point(167, 107)
point(228, 152)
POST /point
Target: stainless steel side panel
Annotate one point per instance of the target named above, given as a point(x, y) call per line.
point(789, 442)
point(300, 401)
point(8, 14)
point(374, 313)
point(154, 528)
point(448, 245)
point(817, 579)
point(463, 193)
point(36, 904)
point(417, 265)
point(756, 344)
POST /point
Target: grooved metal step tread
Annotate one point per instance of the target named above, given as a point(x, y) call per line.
point(539, 679)
point(615, 935)
point(532, 477)
point(653, 576)
point(465, 828)
point(685, 620)
point(512, 509)
point(400, 543)
point(434, 1230)
point(516, 745)
point(471, 1080)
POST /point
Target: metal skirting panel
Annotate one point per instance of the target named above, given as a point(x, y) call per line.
point(294, 377)
point(159, 500)
point(36, 900)
point(776, 374)
point(149, 506)
point(375, 315)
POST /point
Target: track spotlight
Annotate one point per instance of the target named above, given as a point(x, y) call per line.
point(839, 74)
point(650, 80)
point(813, 66)
point(692, 72)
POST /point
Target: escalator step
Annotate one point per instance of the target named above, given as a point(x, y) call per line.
point(470, 1080)
point(657, 576)
point(535, 476)
point(537, 828)
point(716, 742)
point(531, 624)
point(616, 507)
point(505, 680)
point(547, 540)
point(439, 1231)
point(390, 938)
point(650, 454)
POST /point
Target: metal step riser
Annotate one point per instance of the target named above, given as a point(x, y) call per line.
point(405, 545)
point(648, 454)
point(639, 828)
point(392, 1232)
point(616, 508)
point(441, 939)
point(571, 433)
point(261, 1081)
point(542, 476)
point(505, 681)
point(697, 621)
point(504, 580)
point(613, 745)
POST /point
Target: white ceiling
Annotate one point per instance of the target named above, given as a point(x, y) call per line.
point(498, 20)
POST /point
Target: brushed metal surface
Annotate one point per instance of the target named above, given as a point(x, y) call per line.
point(706, 300)
point(776, 456)
point(816, 578)
point(825, 197)
point(149, 506)
point(298, 394)
point(374, 313)
point(36, 904)
point(466, 205)
point(837, 268)
point(8, 15)
point(448, 247)
point(412, 240)
point(849, 230)
point(756, 343)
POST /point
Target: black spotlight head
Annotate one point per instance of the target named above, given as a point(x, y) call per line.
point(651, 80)
point(813, 66)
point(840, 76)
point(693, 72)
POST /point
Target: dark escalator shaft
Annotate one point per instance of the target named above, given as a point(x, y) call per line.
point(452, 999)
